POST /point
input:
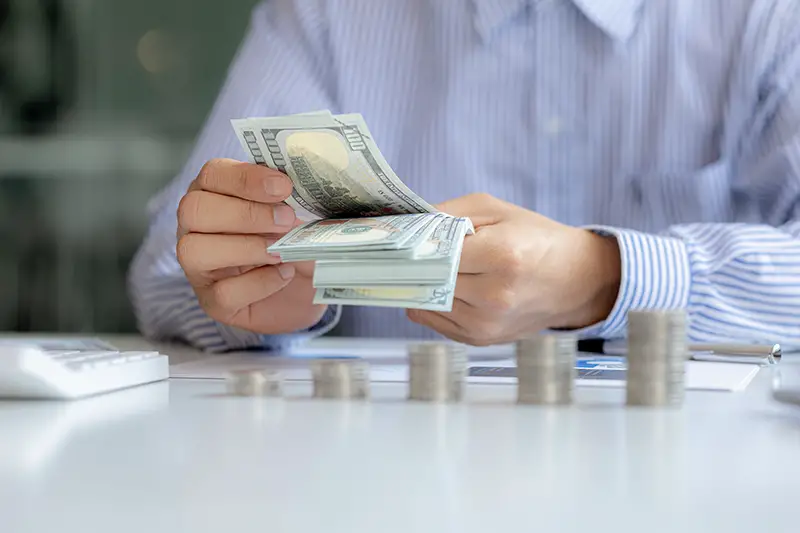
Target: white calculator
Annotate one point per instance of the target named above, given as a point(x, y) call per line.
point(73, 368)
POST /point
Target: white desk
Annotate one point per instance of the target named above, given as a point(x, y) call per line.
point(180, 456)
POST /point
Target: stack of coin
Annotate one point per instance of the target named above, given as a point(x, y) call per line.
point(657, 355)
point(340, 378)
point(437, 371)
point(546, 369)
point(255, 383)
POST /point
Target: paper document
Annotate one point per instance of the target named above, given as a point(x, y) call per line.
point(700, 375)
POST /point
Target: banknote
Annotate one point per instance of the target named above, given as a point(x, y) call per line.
point(408, 251)
point(374, 240)
point(431, 262)
point(320, 237)
point(443, 241)
point(395, 294)
point(429, 298)
point(335, 166)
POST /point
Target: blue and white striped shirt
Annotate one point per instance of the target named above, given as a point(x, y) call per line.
point(672, 124)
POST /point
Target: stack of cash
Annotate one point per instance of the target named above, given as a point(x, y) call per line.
point(373, 240)
point(546, 369)
point(340, 378)
point(437, 371)
point(657, 355)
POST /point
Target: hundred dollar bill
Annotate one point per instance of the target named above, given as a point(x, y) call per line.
point(443, 241)
point(320, 237)
point(420, 297)
point(385, 245)
point(431, 262)
point(422, 236)
point(335, 166)
point(430, 297)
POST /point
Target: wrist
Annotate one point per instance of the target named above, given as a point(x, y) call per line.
point(656, 274)
point(599, 274)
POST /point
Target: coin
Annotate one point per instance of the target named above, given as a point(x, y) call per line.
point(656, 357)
point(546, 369)
point(252, 382)
point(437, 371)
point(340, 378)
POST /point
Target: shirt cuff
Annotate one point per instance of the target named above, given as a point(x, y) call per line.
point(656, 274)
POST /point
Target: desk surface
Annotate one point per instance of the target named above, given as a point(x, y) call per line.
point(182, 456)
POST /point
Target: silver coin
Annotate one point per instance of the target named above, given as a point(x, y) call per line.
point(340, 378)
point(546, 369)
point(437, 371)
point(545, 347)
point(254, 383)
point(656, 357)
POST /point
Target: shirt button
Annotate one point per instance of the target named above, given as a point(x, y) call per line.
point(636, 192)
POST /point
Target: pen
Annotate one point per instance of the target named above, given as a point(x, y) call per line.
point(745, 352)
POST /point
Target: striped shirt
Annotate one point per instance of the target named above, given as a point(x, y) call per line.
point(673, 125)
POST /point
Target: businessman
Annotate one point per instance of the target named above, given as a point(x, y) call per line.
point(613, 154)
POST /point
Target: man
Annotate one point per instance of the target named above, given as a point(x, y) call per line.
point(613, 154)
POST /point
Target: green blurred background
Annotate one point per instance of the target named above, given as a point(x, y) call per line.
point(100, 101)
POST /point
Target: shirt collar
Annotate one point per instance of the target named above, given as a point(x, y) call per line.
point(618, 18)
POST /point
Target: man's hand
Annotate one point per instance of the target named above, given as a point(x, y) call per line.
point(231, 213)
point(521, 273)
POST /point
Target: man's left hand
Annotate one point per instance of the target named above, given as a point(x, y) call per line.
point(521, 273)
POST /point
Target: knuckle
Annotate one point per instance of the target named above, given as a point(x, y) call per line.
point(207, 177)
point(223, 298)
point(512, 261)
point(237, 179)
point(212, 309)
point(185, 250)
point(206, 301)
point(256, 246)
point(189, 209)
point(482, 198)
point(251, 214)
point(500, 300)
point(217, 175)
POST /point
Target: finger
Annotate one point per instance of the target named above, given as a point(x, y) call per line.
point(227, 297)
point(207, 278)
point(243, 180)
point(437, 322)
point(485, 292)
point(305, 268)
point(207, 212)
point(201, 252)
point(465, 323)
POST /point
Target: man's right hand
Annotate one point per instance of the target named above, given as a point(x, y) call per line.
point(229, 216)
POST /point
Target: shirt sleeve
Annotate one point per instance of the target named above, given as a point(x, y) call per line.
point(280, 68)
point(738, 281)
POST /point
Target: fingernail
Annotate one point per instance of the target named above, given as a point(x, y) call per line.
point(275, 186)
point(273, 254)
point(286, 271)
point(284, 215)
